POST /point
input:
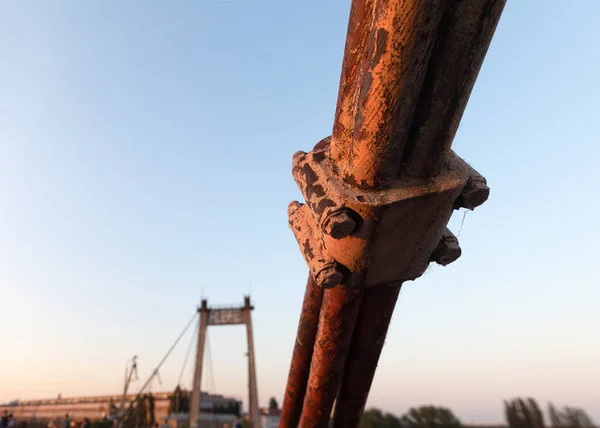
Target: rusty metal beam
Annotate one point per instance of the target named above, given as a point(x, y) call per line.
point(462, 41)
point(387, 51)
point(336, 323)
point(367, 342)
point(302, 355)
point(359, 30)
point(380, 192)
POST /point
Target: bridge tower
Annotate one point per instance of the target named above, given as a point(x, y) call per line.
point(230, 315)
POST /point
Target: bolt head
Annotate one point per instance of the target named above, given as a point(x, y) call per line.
point(299, 156)
point(329, 277)
point(339, 225)
point(447, 251)
point(475, 193)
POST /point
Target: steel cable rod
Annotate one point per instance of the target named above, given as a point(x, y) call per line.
point(380, 192)
point(187, 354)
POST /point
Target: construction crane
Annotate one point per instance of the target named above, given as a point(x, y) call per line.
point(129, 412)
point(129, 373)
point(379, 192)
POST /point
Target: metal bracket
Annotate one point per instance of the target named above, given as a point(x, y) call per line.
point(362, 238)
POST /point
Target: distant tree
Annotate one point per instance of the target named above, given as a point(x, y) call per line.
point(569, 417)
point(526, 413)
point(273, 403)
point(430, 417)
point(174, 400)
point(102, 424)
point(537, 417)
point(151, 410)
point(522, 413)
point(554, 416)
point(391, 421)
point(179, 401)
point(374, 418)
point(185, 402)
point(577, 418)
point(512, 415)
point(238, 409)
point(141, 413)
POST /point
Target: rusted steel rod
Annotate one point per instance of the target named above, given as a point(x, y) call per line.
point(382, 75)
point(380, 192)
point(302, 355)
point(373, 320)
point(359, 29)
point(464, 36)
point(336, 323)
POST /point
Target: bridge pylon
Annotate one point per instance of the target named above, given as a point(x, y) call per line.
point(228, 315)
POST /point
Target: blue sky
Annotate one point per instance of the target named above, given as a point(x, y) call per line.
point(146, 155)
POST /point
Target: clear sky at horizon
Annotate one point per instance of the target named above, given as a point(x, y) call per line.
point(145, 160)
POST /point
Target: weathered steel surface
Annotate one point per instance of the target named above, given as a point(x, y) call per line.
point(475, 192)
point(302, 356)
point(462, 41)
point(359, 30)
point(369, 334)
point(323, 267)
point(447, 250)
point(383, 72)
point(379, 192)
point(336, 324)
point(411, 214)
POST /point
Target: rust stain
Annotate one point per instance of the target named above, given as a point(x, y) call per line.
point(374, 114)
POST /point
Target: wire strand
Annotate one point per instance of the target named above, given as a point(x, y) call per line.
point(211, 371)
point(187, 355)
point(154, 373)
point(462, 223)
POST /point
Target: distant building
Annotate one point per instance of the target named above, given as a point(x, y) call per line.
point(98, 407)
point(269, 418)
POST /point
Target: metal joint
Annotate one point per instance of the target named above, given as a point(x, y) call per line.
point(447, 250)
point(475, 192)
point(352, 236)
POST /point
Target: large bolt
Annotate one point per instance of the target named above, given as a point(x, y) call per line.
point(323, 144)
point(339, 224)
point(293, 207)
point(475, 193)
point(329, 276)
point(298, 157)
point(447, 250)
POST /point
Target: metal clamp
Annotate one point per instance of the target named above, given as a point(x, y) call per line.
point(361, 238)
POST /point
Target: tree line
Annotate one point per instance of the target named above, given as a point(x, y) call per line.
point(519, 413)
point(525, 413)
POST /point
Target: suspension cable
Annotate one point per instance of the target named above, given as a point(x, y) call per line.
point(187, 354)
point(210, 364)
point(155, 372)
